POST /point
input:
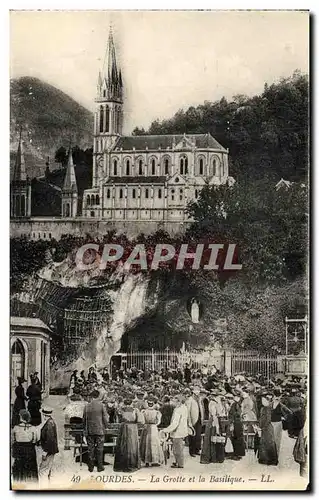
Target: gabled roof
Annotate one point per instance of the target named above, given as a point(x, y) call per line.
point(283, 184)
point(154, 142)
point(177, 179)
point(138, 179)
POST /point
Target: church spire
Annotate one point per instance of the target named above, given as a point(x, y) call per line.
point(19, 173)
point(110, 80)
point(70, 179)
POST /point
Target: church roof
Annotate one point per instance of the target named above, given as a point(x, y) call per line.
point(25, 322)
point(154, 142)
point(151, 179)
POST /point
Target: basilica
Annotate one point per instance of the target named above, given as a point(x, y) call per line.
point(149, 177)
point(135, 179)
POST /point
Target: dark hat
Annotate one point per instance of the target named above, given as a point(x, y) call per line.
point(21, 380)
point(94, 394)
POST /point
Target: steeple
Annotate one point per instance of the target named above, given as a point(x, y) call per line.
point(20, 192)
point(70, 190)
point(110, 85)
point(70, 179)
point(19, 173)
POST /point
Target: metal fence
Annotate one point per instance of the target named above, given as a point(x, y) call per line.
point(248, 362)
point(253, 363)
point(156, 360)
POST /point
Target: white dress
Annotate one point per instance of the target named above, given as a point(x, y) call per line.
point(195, 312)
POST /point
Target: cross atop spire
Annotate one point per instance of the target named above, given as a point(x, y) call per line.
point(19, 173)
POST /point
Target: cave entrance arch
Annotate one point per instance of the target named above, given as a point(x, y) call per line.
point(116, 363)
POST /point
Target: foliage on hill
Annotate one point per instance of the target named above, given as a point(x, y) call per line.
point(48, 117)
point(267, 134)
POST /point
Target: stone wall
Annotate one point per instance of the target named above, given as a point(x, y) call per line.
point(48, 228)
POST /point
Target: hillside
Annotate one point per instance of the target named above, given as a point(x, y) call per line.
point(48, 117)
point(267, 134)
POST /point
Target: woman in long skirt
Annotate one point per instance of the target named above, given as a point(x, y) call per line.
point(19, 403)
point(150, 447)
point(213, 449)
point(25, 467)
point(127, 453)
point(267, 452)
point(34, 404)
point(300, 451)
point(236, 429)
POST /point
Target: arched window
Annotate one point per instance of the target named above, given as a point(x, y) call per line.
point(196, 193)
point(133, 193)
point(181, 194)
point(153, 166)
point(181, 166)
point(115, 120)
point(88, 200)
point(23, 205)
point(107, 119)
point(140, 167)
point(172, 194)
point(214, 167)
point(67, 210)
point(104, 93)
point(17, 206)
point(97, 200)
point(160, 193)
point(92, 199)
point(108, 194)
point(115, 167)
point(186, 165)
point(127, 167)
point(121, 193)
point(146, 193)
point(166, 167)
point(201, 166)
point(17, 360)
point(101, 119)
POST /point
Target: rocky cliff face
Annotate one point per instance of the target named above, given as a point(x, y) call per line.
point(154, 311)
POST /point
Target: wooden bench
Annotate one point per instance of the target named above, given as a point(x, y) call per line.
point(74, 438)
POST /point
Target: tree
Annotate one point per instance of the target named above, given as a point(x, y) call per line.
point(269, 226)
point(61, 156)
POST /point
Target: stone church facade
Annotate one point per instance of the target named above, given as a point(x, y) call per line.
point(139, 183)
point(150, 177)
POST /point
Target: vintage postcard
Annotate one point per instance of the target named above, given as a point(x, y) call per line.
point(159, 308)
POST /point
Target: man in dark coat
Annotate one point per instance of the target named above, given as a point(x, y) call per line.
point(95, 420)
point(167, 411)
point(49, 444)
point(37, 381)
point(187, 374)
point(34, 403)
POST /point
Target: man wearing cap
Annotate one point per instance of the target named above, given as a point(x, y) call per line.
point(49, 444)
point(95, 420)
point(196, 417)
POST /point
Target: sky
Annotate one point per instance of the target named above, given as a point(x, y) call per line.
point(169, 59)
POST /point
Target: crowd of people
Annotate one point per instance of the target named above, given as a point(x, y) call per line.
point(219, 417)
point(32, 427)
